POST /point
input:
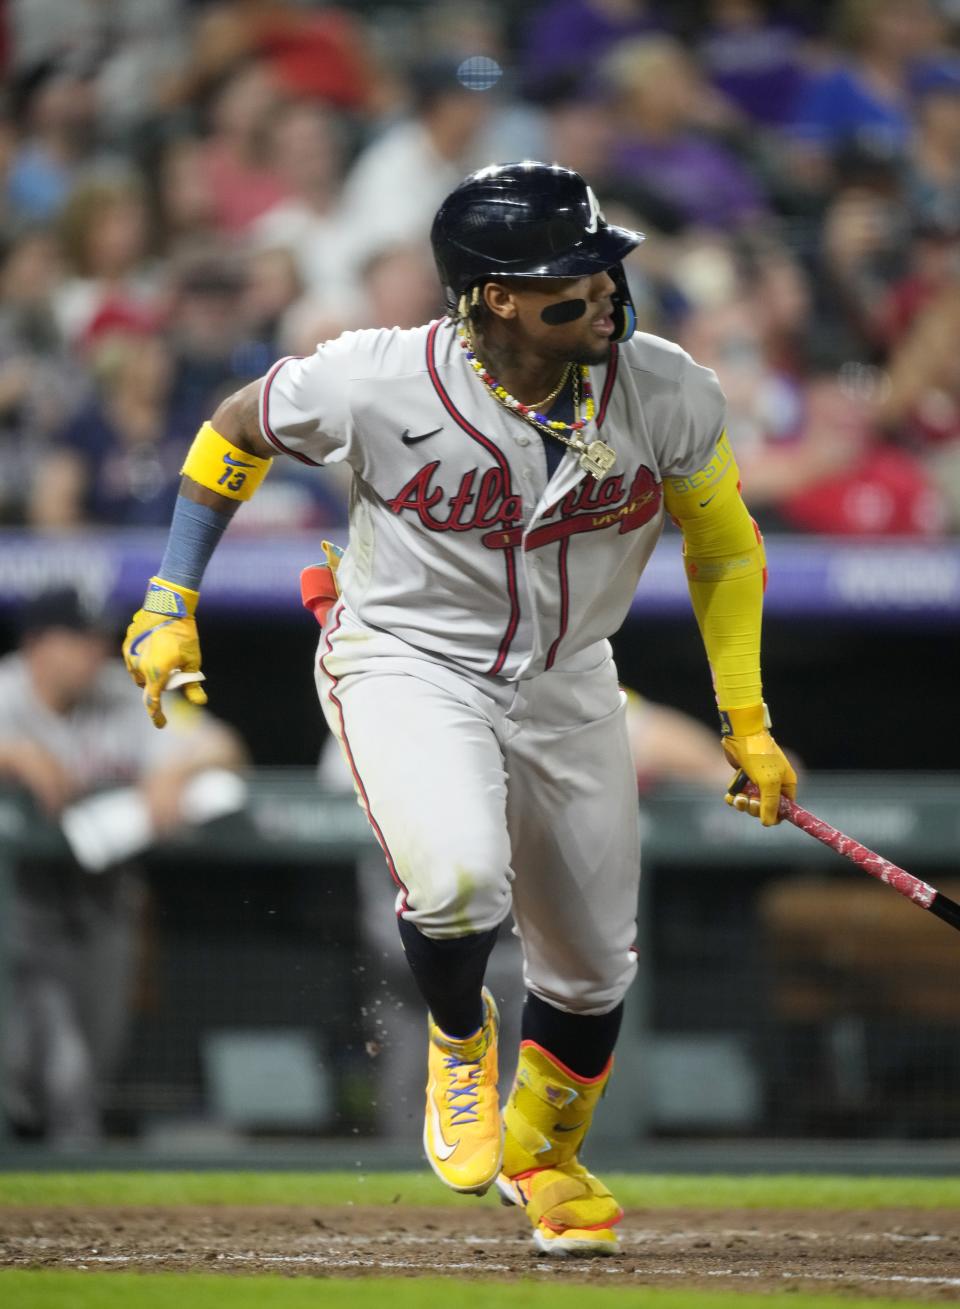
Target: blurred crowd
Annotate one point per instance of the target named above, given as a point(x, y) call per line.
point(190, 189)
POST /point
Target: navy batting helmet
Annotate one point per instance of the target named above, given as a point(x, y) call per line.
point(529, 220)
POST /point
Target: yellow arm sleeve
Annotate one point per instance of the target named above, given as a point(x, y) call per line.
point(725, 566)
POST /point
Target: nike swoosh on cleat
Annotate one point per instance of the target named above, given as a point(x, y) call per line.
point(407, 439)
point(559, 1127)
point(438, 1136)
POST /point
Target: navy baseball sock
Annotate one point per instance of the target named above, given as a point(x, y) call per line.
point(584, 1042)
point(449, 975)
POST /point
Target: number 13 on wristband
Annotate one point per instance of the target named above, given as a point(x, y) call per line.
point(215, 463)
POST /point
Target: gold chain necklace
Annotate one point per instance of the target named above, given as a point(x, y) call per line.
point(549, 399)
point(596, 457)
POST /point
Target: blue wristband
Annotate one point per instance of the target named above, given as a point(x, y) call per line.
point(195, 532)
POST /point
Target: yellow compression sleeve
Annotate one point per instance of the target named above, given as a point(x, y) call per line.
point(724, 560)
point(214, 462)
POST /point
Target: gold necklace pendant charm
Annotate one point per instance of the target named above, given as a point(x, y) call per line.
point(597, 459)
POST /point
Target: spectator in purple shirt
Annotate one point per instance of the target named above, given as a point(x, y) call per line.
point(753, 60)
point(657, 88)
point(571, 36)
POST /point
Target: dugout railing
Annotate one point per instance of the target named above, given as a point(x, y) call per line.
point(781, 994)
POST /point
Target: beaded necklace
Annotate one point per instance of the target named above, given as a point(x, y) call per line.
point(596, 458)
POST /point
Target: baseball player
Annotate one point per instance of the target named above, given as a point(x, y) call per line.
point(512, 464)
point(68, 728)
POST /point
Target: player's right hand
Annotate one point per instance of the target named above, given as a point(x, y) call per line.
point(162, 640)
point(751, 749)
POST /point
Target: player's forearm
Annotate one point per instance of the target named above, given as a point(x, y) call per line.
point(728, 611)
point(9, 761)
point(209, 744)
point(724, 561)
point(224, 466)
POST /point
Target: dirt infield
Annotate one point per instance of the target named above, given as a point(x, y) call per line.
point(896, 1253)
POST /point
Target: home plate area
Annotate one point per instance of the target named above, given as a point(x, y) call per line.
point(898, 1253)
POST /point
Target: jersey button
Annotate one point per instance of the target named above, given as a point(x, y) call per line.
point(523, 440)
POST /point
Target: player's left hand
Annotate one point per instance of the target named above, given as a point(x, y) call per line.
point(751, 749)
point(162, 645)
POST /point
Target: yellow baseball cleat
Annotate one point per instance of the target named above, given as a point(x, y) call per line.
point(547, 1116)
point(462, 1131)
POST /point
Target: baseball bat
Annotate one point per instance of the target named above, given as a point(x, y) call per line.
point(921, 893)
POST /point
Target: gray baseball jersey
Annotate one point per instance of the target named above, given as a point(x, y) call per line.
point(106, 739)
point(460, 543)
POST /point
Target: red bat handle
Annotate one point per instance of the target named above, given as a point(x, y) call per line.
point(921, 893)
point(912, 887)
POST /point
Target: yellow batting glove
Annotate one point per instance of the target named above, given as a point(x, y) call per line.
point(161, 642)
point(751, 749)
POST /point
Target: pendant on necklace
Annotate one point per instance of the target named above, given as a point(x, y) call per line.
point(597, 459)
